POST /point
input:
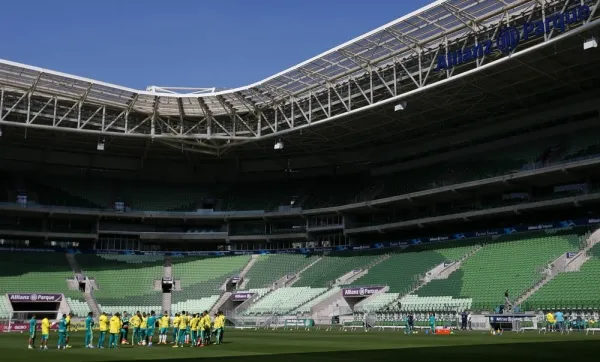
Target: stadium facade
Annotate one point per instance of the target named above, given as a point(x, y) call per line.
point(460, 120)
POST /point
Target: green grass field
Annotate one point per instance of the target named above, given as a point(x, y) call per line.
point(316, 346)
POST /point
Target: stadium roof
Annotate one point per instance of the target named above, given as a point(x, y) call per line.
point(389, 63)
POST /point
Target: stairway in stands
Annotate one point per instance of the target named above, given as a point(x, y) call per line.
point(167, 298)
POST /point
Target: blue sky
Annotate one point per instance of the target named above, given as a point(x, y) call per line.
point(195, 43)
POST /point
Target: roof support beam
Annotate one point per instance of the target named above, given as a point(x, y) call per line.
point(234, 115)
point(181, 114)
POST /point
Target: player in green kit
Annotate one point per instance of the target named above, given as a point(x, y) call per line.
point(89, 330)
point(62, 332)
point(150, 328)
point(432, 322)
point(32, 330)
point(124, 328)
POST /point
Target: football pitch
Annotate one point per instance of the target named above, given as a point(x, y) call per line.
point(315, 346)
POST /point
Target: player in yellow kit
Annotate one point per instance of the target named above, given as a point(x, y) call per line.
point(208, 324)
point(218, 327)
point(205, 331)
point(222, 326)
point(163, 324)
point(45, 333)
point(188, 331)
point(103, 322)
point(201, 329)
point(182, 331)
point(194, 323)
point(143, 327)
point(68, 320)
point(176, 328)
point(115, 331)
point(135, 322)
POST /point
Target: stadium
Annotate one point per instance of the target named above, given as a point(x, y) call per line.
point(432, 182)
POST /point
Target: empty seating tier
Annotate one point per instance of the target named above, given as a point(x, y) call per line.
point(403, 271)
point(325, 272)
point(30, 272)
point(284, 300)
point(576, 290)
point(203, 277)
point(195, 305)
point(123, 283)
point(306, 308)
point(376, 303)
point(415, 303)
point(510, 265)
point(269, 268)
point(78, 308)
point(5, 306)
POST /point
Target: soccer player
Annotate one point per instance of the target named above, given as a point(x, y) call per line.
point(176, 328)
point(89, 330)
point(150, 328)
point(143, 327)
point(115, 331)
point(136, 321)
point(32, 328)
point(68, 320)
point(188, 331)
point(164, 326)
point(103, 322)
point(45, 333)
point(410, 322)
point(202, 328)
point(222, 323)
point(194, 322)
point(207, 326)
point(218, 328)
point(432, 322)
point(125, 328)
point(182, 330)
point(62, 332)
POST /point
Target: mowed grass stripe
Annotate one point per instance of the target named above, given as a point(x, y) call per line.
point(316, 346)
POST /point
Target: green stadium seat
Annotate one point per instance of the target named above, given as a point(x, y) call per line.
point(196, 305)
point(306, 308)
point(283, 300)
point(324, 273)
point(124, 280)
point(514, 265)
point(269, 268)
point(376, 303)
point(5, 307)
point(78, 307)
point(31, 272)
point(575, 290)
point(403, 270)
point(203, 276)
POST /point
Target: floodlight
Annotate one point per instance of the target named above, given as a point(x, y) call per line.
point(278, 145)
point(590, 43)
point(100, 146)
point(0, 131)
point(400, 106)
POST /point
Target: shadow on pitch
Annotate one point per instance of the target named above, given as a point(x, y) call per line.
point(542, 351)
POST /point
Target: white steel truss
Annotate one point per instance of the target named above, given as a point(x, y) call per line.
point(392, 62)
